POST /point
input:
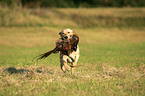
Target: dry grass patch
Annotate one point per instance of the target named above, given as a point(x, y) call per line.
point(45, 80)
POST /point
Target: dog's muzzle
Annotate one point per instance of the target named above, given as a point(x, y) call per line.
point(63, 36)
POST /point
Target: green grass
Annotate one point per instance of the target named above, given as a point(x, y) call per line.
point(112, 59)
point(81, 18)
point(112, 62)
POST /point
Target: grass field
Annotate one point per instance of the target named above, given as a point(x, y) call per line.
point(112, 59)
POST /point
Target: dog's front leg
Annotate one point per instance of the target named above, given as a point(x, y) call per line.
point(63, 62)
point(65, 57)
point(75, 55)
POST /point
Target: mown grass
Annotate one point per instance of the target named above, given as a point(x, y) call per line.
point(112, 59)
point(112, 62)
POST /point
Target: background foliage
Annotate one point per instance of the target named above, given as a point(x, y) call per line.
point(75, 3)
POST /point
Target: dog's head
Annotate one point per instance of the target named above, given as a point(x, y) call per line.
point(66, 34)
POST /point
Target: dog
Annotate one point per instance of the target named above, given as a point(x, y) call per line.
point(73, 55)
point(68, 47)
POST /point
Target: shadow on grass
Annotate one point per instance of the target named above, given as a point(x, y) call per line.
point(13, 70)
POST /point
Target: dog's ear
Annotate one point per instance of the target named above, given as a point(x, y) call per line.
point(60, 33)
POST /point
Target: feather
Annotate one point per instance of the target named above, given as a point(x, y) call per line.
point(65, 46)
point(44, 55)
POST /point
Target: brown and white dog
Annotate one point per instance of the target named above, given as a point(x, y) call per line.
point(73, 56)
point(68, 47)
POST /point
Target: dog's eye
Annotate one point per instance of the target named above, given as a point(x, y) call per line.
point(70, 35)
point(68, 32)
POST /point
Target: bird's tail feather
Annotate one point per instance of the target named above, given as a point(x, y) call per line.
point(44, 55)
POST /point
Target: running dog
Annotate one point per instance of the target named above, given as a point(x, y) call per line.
point(68, 47)
point(73, 55)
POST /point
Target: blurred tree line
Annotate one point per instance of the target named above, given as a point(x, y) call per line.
point(73, 3)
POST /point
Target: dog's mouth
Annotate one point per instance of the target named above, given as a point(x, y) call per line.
point(63, 37)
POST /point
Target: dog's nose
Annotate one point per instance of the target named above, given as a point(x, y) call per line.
point(65, 37)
